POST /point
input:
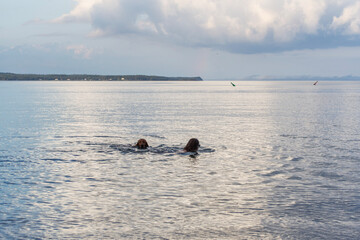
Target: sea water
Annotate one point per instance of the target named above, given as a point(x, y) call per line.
point(278, 160)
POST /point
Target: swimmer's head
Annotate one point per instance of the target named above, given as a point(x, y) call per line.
point(192, 145)
point(142, 144)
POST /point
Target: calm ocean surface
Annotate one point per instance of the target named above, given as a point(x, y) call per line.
point(278, 160)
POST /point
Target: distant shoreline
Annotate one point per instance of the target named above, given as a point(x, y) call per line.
point(89, 77)
point(303, 78)
point(285, 80)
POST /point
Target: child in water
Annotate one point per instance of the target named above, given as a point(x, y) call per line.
point(142, 144)
point(192, 146)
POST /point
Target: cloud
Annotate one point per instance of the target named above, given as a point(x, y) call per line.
point(349, 19)
point(35, 21)
point(51, 58)
point(53, 34)
point(80, 13)
point(236, 26)
point(76, 51)
point(80, 51)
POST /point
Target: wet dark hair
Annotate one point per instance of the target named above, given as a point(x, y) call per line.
point(192, 145)
point(142, 144)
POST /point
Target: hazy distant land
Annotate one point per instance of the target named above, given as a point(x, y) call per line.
point(91, 77)
point(303, 78)
point(88, 77)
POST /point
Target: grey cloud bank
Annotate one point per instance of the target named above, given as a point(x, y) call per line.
point(228, 39)
point(234, 26)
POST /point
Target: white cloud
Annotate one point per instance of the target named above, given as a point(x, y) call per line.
point(349, 19)
point(80, 13)
point(221, 23)
point(80, 51)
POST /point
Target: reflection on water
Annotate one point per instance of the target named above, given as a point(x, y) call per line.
point(161, 149)
point(278, 160)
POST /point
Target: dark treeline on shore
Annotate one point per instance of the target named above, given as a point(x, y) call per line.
point(88, 77)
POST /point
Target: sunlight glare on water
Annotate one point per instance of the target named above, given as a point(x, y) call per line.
point(277, 160)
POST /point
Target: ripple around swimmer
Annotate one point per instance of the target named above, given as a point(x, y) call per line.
point(161, 149)
point(273, 173)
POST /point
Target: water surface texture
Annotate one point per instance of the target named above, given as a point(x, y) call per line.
point(278, 160)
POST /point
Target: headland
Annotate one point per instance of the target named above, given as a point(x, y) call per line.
point(90, 77)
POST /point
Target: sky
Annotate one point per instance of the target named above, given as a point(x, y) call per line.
point(214, 39)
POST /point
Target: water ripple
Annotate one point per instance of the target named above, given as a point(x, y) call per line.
point(278, 160)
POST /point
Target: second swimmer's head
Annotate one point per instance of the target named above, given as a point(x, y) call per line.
point(192, 145)
point(142, 144)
